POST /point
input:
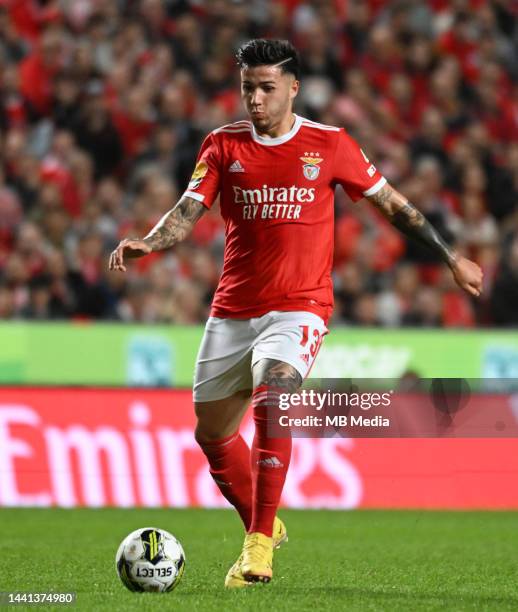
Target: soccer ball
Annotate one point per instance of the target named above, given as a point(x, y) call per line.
point(150, 559)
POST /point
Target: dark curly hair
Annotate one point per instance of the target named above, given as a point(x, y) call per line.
point(263, 52)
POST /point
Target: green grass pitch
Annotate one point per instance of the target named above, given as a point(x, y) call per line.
point(362, 560)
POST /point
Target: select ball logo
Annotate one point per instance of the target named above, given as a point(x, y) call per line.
point(150, 559)
point(153, 546)
point(310, 168)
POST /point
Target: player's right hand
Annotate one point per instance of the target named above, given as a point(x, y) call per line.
point(127, 249)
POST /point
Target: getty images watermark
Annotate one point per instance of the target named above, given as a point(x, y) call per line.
point(322, 401)
point(409, 407)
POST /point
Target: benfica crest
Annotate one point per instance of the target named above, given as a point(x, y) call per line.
point(310, 167)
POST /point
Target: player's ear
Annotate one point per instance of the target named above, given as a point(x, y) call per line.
point(294, 88)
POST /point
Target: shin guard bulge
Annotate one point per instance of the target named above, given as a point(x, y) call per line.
point(229, 461)
point(270, 460)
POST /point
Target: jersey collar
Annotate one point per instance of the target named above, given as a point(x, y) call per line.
point(272, 142)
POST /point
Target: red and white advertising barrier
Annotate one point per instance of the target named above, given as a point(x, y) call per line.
point(88, 447)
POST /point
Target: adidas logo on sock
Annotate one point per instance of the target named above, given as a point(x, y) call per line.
point(222, 482)
point(270, 462)
point(236, 167)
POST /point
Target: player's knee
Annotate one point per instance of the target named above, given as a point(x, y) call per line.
point(204, 434)
point(219, 419)
point(209, 429)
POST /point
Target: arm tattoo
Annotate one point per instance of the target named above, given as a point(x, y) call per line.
point(411, 222)
point(381, 198)
point(277, 374)
point(175, 225)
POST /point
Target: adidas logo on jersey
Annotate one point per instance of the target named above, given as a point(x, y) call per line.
point(272, 462)
point(236, 167)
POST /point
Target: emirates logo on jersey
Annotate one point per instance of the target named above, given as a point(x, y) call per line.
point(273, 202)
point(310, 167)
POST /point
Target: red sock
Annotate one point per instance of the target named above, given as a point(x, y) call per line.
point(270, 461)
point(229, 461)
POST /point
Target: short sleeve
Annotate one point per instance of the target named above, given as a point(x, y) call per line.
point(205, 180)
point(354, 171)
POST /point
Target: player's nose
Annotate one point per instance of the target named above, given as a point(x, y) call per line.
point(256, 98)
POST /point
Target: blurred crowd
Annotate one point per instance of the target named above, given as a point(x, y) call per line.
point(104, 103)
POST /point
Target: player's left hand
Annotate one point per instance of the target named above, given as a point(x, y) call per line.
point(468, 275)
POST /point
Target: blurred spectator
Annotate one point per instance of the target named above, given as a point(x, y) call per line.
point(397, 301)
point(365, 311)
point(103, 106)
point(504, 299)
point(66, 100)
point(430, 137)
point(39, 68)
point(7, 306)
point(10, 207)
point(426, 310)
point(96, 133)
point(41, 305)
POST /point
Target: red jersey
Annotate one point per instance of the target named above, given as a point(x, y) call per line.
point(277, 201)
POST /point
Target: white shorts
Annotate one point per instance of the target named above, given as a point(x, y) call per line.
point(230, 348)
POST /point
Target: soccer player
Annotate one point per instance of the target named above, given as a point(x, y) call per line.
point(275, 175)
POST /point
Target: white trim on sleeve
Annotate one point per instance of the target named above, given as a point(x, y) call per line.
point(375, 188)
point(195, 196)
